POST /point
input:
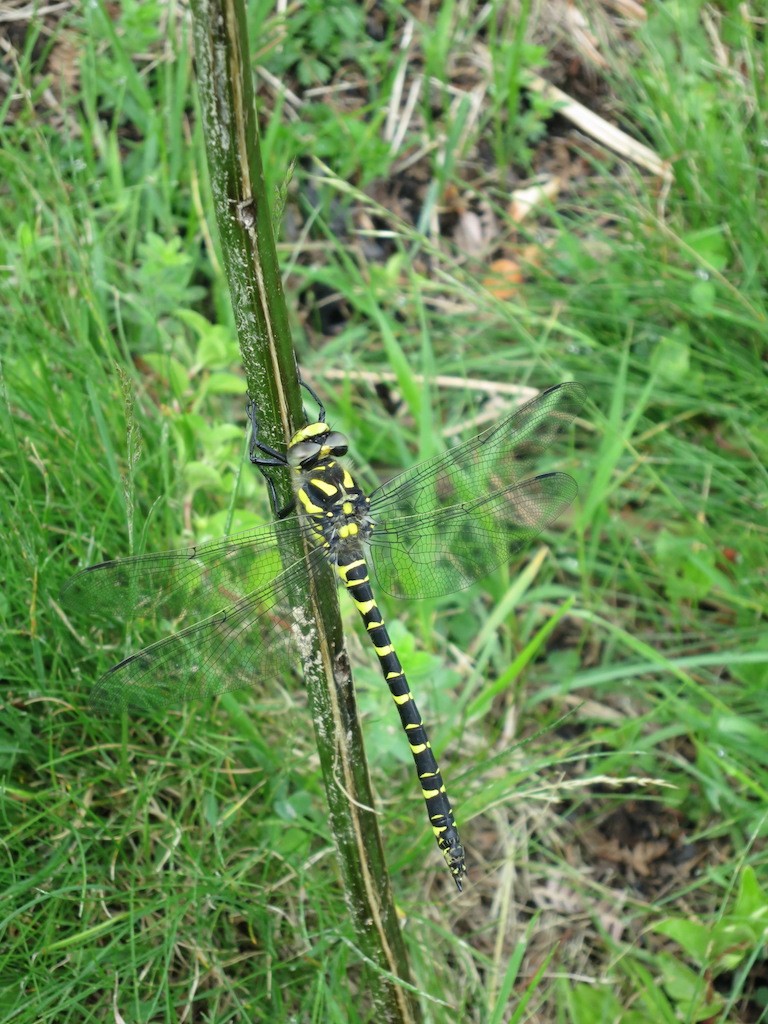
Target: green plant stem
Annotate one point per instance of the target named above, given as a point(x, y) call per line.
point(245, 227)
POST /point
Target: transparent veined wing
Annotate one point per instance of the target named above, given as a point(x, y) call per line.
point(200, 579)
point(229, 602)
point(452, 519)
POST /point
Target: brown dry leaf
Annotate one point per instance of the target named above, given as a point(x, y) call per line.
point(639, 857)
point(504, 279)
point(644, 854)
point(64, 64)
point(555, 896)
point(469, 235)
point(453, 200)
point(476, 229)
point(530, 255)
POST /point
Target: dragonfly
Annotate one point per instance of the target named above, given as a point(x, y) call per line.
point(432, 530)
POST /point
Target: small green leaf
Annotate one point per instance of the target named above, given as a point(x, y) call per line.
point(224, 384)
point(703, 294)
point(671, 359)
point(710, 245)
point(200, 474)
point(169, 370)
point(694, 938)
point(752, 900)
point(686, 988)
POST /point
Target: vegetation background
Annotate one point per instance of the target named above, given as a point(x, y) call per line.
point(452, 236)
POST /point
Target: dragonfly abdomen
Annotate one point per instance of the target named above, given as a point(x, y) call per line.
point(338, 511)
point(354, 576)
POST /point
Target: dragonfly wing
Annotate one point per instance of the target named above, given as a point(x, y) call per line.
point(252, 641)
point(492, 461)
point(183, 585)
point(459, 515)
point(419, 557)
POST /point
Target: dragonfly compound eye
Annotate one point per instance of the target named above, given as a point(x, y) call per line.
point(303, 453)
point(336, 443)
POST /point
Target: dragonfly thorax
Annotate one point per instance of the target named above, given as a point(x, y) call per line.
point(338, 510)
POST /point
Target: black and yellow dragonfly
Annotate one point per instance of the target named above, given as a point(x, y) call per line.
point(430, 531)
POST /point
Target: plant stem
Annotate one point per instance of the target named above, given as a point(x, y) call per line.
point(244, 221)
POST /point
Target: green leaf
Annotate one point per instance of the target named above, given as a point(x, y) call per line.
point(686, 988)
point(752, 900)
point(200, 474)
point(703, 294)
point(694, 938)
point(710, 245)
point(224, 384)
point(171, 371)
point(671, 359)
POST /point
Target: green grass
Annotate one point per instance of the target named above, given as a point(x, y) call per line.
point(601, 716)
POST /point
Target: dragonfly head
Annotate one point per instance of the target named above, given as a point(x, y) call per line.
point(314, 443)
